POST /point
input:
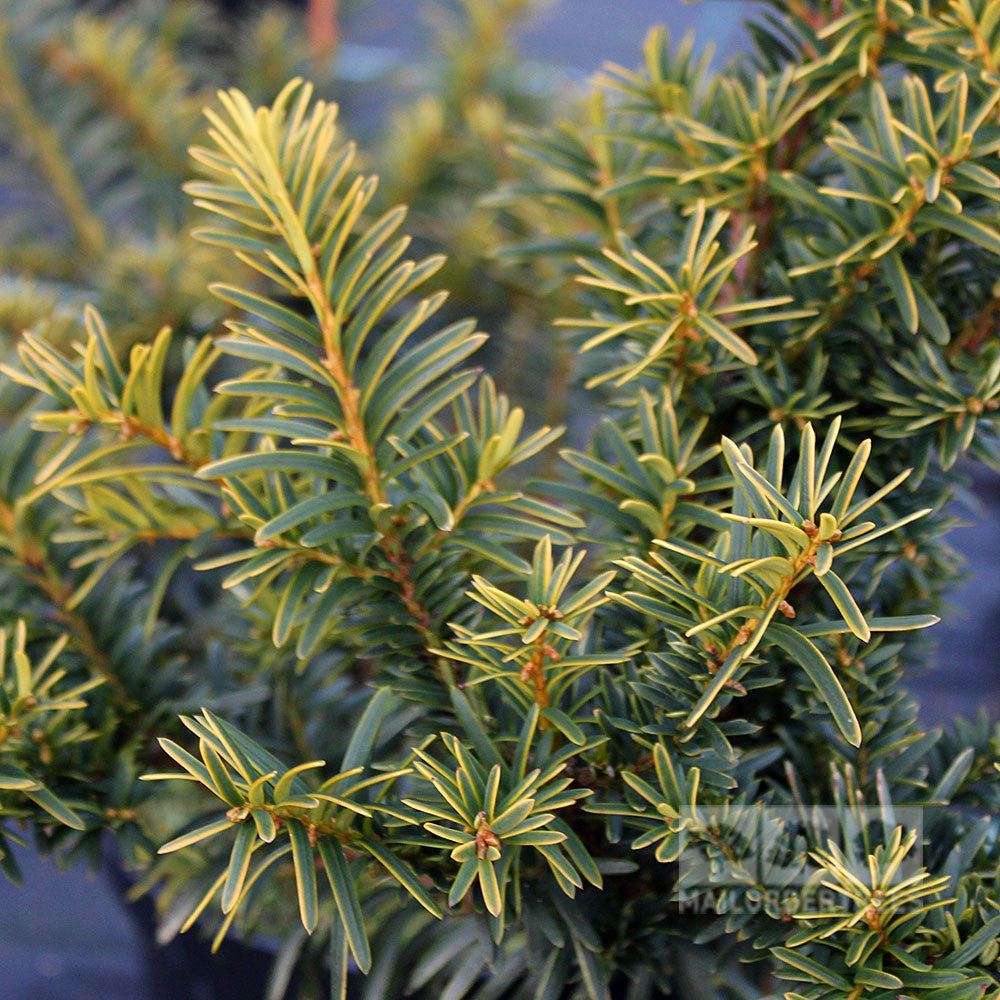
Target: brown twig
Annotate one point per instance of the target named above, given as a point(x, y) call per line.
point(322, 28)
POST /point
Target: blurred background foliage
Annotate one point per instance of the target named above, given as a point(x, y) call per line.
point(100, 101)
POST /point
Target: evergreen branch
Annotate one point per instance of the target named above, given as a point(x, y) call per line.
point(40, 571)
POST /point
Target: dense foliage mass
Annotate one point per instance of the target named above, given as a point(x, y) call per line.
point(480, 734)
